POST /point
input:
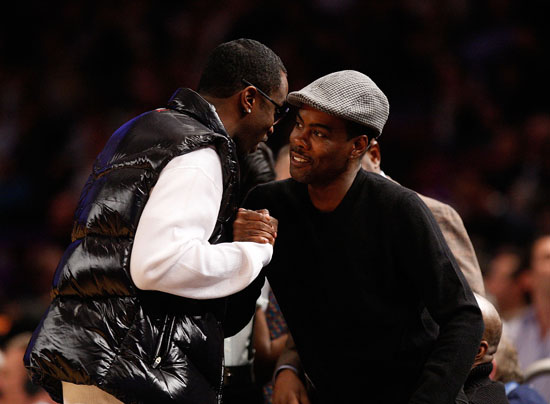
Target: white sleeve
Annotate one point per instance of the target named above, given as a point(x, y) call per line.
point(171, 252)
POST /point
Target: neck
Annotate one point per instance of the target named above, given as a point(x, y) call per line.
point(327, 196)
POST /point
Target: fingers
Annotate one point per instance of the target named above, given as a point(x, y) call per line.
point(274, 223)
point(289, 389)
point(256, 221)
point(257, 215)
point(255, 226)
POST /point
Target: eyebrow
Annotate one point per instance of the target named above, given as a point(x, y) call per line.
point(315, 125)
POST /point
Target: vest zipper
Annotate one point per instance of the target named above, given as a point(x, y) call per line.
point(164, 341)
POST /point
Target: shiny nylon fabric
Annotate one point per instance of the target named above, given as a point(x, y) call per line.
point(100, 329)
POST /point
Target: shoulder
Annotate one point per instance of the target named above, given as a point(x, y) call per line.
point(169, 126)
point(204, 161)
point(275, 194)
point(440, 209)
point(386, 191)
point(281, 189)
point(162, 129)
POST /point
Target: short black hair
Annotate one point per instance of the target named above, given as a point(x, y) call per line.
point(355, 129)
point(239, 59)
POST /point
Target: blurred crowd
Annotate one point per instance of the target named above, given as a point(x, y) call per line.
point(467, 82)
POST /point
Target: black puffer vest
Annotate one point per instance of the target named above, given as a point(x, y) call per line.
point(141, 347)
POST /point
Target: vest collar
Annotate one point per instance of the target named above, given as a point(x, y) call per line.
point(189, 102)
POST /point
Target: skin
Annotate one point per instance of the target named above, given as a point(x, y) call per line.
point(372, 159)
point(289, 389)
point(491, 334)
point(503, 286)
point(267, 350)
point(13, 376)
point(322, 156)
point(256, 226)
point(539, 282)
point(248, 116)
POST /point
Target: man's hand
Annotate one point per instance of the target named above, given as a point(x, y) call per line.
point(256, 226)
point(289, 389)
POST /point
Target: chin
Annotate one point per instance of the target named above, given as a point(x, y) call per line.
point(297, 177)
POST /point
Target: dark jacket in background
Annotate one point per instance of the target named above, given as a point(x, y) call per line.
point(139, 346)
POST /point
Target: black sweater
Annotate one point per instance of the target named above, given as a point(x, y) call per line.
point(480, 389)
point(372, 295)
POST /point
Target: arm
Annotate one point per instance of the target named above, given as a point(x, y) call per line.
point(267, 350)
point(171, 252)
point(289, 387)
point(432, 270)
point(241, 306)
point(289, 357)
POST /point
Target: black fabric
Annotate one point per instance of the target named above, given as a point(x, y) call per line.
point(480, 389)
point(371, 293)
point(139, 346)
point(257, 167)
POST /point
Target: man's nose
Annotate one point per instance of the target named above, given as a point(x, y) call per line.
point(298, 138)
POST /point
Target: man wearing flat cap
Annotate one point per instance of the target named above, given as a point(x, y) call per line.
point(374, 299)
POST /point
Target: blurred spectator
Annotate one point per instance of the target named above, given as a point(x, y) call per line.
point(479, 387)
point(15, 385)
point(507, 371)
point(505, 285)
point(532, 338)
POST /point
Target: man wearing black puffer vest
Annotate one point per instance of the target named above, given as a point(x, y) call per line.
point(138, 305)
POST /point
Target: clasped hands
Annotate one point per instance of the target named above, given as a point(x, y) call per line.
point(256, 226)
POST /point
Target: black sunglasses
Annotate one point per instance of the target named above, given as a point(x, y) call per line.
point(280, 110)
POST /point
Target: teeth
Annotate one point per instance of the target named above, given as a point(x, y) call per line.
point(299, 159)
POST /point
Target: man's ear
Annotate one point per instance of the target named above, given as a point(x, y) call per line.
point(359, 146)
point(247, 99)
point(482, 350)
point(373, 153)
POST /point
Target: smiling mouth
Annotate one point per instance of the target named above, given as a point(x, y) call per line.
point(298, 159)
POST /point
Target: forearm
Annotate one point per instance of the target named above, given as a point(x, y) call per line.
point(267, 350)
point(289, 357)
point(202, 270)
point(171, 251)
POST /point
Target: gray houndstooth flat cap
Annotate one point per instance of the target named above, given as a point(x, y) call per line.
point(347, 94)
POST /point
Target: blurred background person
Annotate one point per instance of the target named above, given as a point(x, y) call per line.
point(505, 283)
point(532, 337)
point(15, 384)
point(479, 387)
point(507, 370)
